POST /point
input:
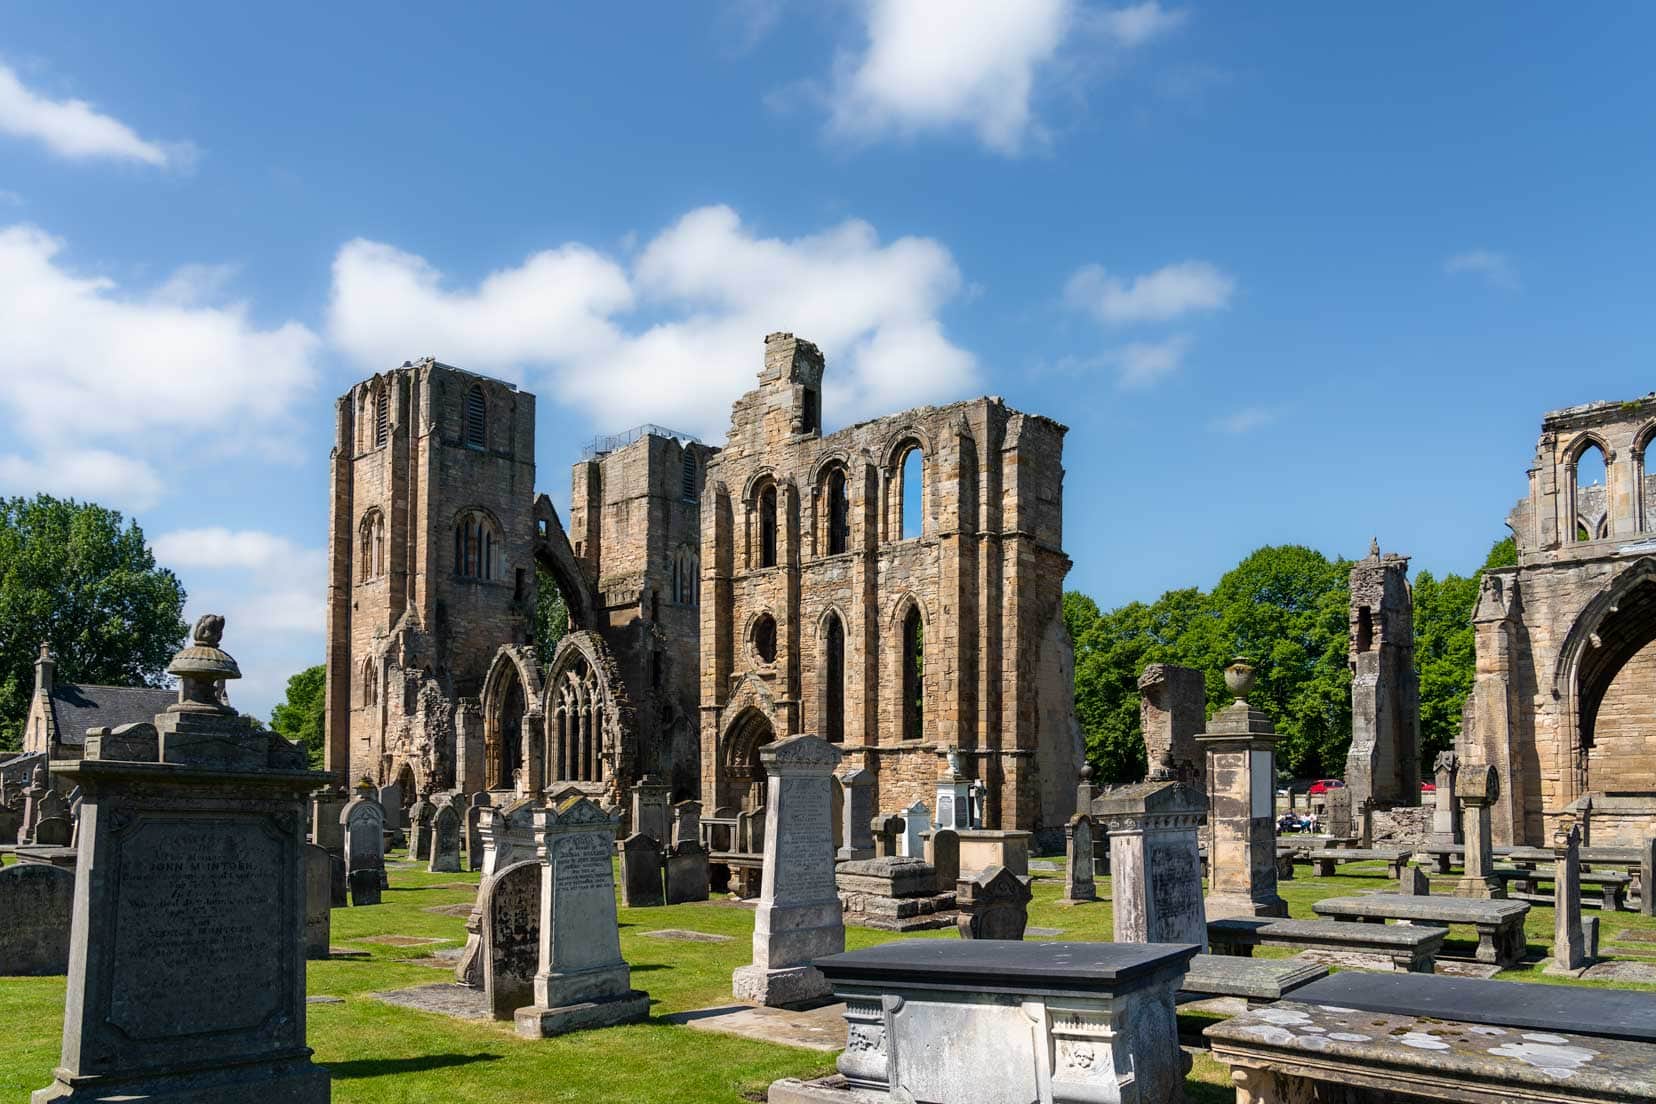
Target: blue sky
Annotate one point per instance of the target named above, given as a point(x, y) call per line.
point(1299, 273)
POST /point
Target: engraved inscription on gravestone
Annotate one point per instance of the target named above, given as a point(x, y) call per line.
point(582, 862)
point(805, 845)
point(195, 891)
point(1175, 887)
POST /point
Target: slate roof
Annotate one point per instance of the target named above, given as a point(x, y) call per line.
point(78, 708)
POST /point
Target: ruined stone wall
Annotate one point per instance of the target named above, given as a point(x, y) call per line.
point(984, 573)
point(1383, 764)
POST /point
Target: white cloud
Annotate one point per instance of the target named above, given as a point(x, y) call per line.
point(1497, 268)
point(75, 129)
point(675, 335)
point(1142, 364)
point(220, 548)
point(1245, 419)
point(975, 64)
point(96, 474)
point(1167, 293)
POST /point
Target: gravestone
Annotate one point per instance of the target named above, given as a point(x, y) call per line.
point(419, 830)
point(363, 824)
point(857, 786)
point(1078, 865)
point(886, 830)
point(36, 903)
point(953, 795)
point(1647, 877)
point(1414, 882)
point(187, 958)
point(916, 823)
point(1365, 823)
point(339, 886)
point(327, 830)
point(511, 913)
point(32, 798)
point(474, 835)
point(1241, 783)
point(390, 799)
point(641, 870)
point(686, 823)
point(445, 840)
point(687, 873)
point(1338, 802)
point(54, 831)
point(1569, 941)
point(318, 900)
point(994, 904)
point(1156, 887)
point(799, 916)
point(1445, 825)
point(649, 808)
point(1477, 788)
point(582, 980)
point(943, 852)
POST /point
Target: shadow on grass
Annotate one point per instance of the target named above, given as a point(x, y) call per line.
point(390, 1067)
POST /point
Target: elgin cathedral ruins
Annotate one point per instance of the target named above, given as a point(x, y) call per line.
point(894, 588)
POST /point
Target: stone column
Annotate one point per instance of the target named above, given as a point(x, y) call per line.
point(1647, 877)
point(799, 916)
point(1078, 864)
point(1569, 945)
point(583, 981)
point(858, 786)
point(1478, 789)
point(1445, 829)
point(1241, 783)
point(1156, 884)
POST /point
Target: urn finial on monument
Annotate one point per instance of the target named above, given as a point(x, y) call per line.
point(202, 668)
point(1240, 677)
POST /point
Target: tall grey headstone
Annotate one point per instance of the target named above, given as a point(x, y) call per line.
point(36, 904)
point(857, 785)
point(187, 959)
point(582, 980)
point(326, 828)
point(686, 823)
point(799, 917)
point(390, 799)
point(1078, 856)
point(1569, 942)
point(688, 877)
point(419, 830)
point(641, 870)
point(1338, 803)
point(1156, 880)
point(1445, 825)
point(445, 840)
point(511, 907)
point(318, 900)
point(363, 824)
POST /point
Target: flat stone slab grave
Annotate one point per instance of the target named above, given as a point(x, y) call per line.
point(1366, 946)
point(820, 1028)
point(462, 910)
point(1254, 979)
point(683, 935)
point(445, 998)
point(399, 940)
point(1500, 924)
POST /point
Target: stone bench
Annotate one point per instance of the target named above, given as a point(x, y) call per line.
point(1499, 924)
point(1258, 981)
point(1612, 886)
point(1325, 860)
point(1391, 947)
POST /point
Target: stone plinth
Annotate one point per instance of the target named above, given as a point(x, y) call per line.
point(650, 816)
point(799, 917)
point(1478, 788)
point(981, 848)
point(1156, 884)
point(893, 894)
point(583, 980)
point(932, 1019)
point(187, 959)
point(1241, 784)
point(326, 827)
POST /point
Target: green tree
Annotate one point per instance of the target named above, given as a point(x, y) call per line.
point(551, 615)
point(82, 579)
point(301, 716)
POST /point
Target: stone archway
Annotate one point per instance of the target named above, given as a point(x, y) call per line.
point(742, 774)
point(1606, 683)
point(512, 729)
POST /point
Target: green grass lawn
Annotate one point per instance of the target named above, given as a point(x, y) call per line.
point(381, 1053)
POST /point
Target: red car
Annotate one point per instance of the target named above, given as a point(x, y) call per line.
point(1323, 785)
point(1428, 787)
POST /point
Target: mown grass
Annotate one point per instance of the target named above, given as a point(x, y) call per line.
point(386, 1055)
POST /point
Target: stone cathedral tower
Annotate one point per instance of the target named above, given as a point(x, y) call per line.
point(431, 562)
point(1384, 760)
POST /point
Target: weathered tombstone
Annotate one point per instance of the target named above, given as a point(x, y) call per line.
point(857, 785)
point(886, 830)
point(327, 830)
point(1445, 826)
point(511, 912)
point(1172, 710)
point(1590, 936)
point(187, 959)
point(36, 903)
point(474, 837)
point(1241, 784)
point(363, 821)
point(32, 798)
point(445, 840)
point(339, 884)
point(390, 799)
point(1338, 802)
point(916, 823)
point(1156, 887)
point(994, 904)
point(1478, 787)
point(318, 900)
point(799, 916)
point(1569, 941)
point(649, 808)
point(687, 873)
point(641, 870)
point(1078, 861)
point(686, 823)
point(419, 830)
point(582, 980)
point(1414, 882)
point(54, 831)
point(1365, 834)
point(1647, 877)
point(943, 852)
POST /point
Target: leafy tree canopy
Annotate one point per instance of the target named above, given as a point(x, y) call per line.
point(301, 716)
point(551, 615)
point(81, 578)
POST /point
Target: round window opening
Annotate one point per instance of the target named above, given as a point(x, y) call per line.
point(764, 638)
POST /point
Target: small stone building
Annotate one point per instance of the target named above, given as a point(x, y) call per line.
point(1564, 703)
point(894, 587)
point(61, 712)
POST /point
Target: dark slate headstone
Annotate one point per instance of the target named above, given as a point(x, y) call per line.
point(944, 855)
point(318, 900)
point(53, 831)
point(364, 837)
point(445, 840)
point(994, 904)
point(511, 937)
point(641, 872)
point(36, 901)
point(339, 894)
point(687, 875)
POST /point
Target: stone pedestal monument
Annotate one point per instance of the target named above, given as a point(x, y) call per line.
point(1477, 789)
point(954, 795)
point(1446, 831)
point(1570, 953)
point(187, 960)
point(583, 980)
point(1241, 784)
point(799, 916)
point(1156, 886)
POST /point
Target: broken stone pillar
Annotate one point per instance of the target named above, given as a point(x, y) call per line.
point(1477, 789)
point(1384, 761)
point(1365, 834)
point(1647, 877)
point(1569, 941)
point(1078, 865)
point(1241, 785)
point(1172, 711)
point(858, 788)
point(1445, 826)
point(1156, 886)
